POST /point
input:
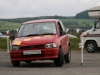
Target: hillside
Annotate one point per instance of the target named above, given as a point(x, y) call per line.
point(78, 23)
point(8, 25)
point(70, 23)
point(82, 15)
point(81, 20)
point(21, 20)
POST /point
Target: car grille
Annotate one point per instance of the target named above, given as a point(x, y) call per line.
point(41, 46)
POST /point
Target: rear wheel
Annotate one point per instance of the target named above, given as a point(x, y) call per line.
point(15, 63)
point(67, 56)
point(28, 61)
point(60, 60)
point(91, 47)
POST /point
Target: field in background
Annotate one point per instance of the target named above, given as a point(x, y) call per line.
point(80, 21)
point(3, 44)
point(74, 43)
point(4, 26)
point(68, 23)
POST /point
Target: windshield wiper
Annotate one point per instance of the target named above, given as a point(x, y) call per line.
point(38, 34)
point(33, 35)
point(48, 34)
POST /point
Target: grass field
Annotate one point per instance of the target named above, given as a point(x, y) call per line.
point(3, 43)
point(74, 43)
point(81, 22)
point(8, 25)
point(78, 23)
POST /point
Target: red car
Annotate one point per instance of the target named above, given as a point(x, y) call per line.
point(41, 40)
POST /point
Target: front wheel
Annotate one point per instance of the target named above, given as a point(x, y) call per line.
point(91, 47)
point(67, 56)
point(15, 63)
point(60, 60)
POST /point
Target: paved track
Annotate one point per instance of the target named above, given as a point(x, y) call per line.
point(91, 66)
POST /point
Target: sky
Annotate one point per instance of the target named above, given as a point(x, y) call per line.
point(35, 8)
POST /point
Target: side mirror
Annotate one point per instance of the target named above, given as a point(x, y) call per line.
point(66, 30)
point(63, 33)
point(12, 37)
point(95, 23)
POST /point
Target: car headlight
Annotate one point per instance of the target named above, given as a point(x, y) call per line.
point(15, 48)
point(51, 45)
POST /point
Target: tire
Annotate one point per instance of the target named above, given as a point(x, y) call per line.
point(28, 62)
point(91, 47)
point(67, 56)
point(15, 63)
point(60, 60)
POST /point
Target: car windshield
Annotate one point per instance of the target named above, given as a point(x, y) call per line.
point(46, 28)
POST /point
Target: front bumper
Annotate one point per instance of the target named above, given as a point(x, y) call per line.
point(46, 54)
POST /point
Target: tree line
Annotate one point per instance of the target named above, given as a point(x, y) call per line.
point(21, 20)
point(68, 24)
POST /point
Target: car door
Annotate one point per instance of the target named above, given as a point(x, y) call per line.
point(63, 38)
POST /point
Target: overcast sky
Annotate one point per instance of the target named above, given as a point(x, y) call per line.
point(35, 8)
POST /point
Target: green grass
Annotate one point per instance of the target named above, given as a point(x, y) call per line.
point(3, 43)
point(81, 23)
point(74, 43)
point(8, 25)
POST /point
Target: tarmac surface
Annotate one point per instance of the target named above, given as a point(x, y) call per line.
point(91, 66)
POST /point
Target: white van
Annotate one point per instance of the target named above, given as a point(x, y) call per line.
point(90, 39)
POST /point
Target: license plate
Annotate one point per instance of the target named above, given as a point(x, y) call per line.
point(31, 52)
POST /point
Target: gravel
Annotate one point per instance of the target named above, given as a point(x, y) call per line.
point(91, 66)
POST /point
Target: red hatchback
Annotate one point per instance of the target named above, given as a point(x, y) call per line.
point(41, 40)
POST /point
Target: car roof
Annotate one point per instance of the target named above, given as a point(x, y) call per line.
point(41, 20)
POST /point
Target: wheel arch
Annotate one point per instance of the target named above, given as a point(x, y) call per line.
point(90, 40)
point(69, 44)
point(60, 46)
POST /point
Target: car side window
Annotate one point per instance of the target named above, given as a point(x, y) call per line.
point(60, 28)
point(98, 25)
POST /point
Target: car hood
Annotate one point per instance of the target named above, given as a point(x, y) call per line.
point(25, 41)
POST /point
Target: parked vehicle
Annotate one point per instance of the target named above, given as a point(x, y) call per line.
point(91, 38)
point(41, 40)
